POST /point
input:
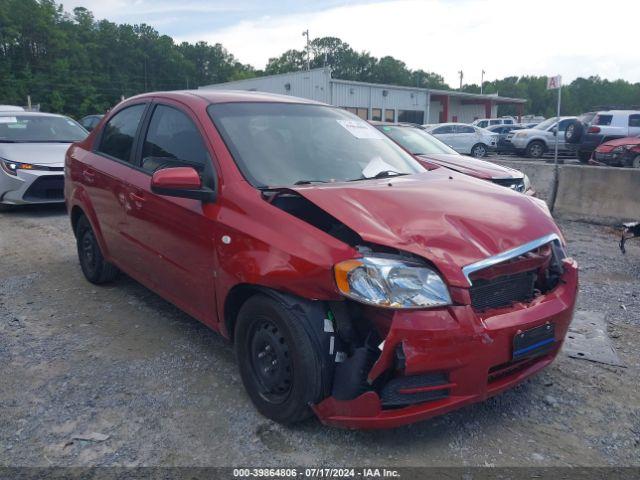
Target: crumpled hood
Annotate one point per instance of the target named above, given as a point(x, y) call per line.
point(51, 154)
point(471, 166)
point(448, 218)
point(611, 144)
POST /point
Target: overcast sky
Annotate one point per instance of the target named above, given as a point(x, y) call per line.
point(535, 37)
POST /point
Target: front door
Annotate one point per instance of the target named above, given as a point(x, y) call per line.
point(173, 238)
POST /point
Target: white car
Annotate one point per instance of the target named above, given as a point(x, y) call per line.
point(486, 122)
point(32, 149)
point(11, 108)
point(535, 142)
point(464, 138)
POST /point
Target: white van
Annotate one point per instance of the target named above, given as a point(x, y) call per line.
point(485, 122)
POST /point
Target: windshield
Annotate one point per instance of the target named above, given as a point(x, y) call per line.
point(280, 144)
point(415, 140)
point(546, 124)
point(39, 128)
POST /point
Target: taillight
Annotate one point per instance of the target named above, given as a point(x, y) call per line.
point(593, 130)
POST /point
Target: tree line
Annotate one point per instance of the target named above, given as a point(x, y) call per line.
point(74, 64)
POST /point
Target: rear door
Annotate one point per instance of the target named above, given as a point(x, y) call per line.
point(445, 134)
point(562, 144)
point(465, 138)
point(103, 172)
point(172, 239)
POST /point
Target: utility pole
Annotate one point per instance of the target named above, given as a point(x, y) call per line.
point(29, 102)
point(461, 75)
point(306, 34)
point(482, 81)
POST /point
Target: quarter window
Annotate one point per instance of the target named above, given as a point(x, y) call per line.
point(172, 140)
point(119, 132)
point(634, 120)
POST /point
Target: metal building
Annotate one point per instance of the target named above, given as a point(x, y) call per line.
point(375, 101)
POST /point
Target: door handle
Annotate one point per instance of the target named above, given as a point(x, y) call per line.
point(136, 197)
point(88, 176)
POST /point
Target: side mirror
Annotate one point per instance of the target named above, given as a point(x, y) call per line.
point(554, 130)
point(181, 182)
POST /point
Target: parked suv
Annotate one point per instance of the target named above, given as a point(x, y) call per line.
point(353, 282)
point(535, 142)
point(594, 128)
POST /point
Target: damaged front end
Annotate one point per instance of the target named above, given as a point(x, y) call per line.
point(400, 365)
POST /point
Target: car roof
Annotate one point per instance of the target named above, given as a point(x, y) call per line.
point(225, 96)
point(617, 112)
point(18, 113)
point(394, 124)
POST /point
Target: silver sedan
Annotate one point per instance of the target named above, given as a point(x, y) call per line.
point(32, 149)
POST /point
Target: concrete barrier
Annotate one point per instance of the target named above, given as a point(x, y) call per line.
point(605, 195)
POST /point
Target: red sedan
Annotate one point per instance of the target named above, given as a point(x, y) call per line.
point(621, 152)
point(353, 282)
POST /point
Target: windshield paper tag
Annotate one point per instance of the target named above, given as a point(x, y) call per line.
point(361, 129)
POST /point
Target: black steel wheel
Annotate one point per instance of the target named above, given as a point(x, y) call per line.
point(279, 359)
point(270, 361)
point(95, 268)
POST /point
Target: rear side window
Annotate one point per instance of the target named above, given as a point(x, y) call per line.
point(634, 120)
point(464, 129)
point(443, 130)
point(508, 122)
point(495, 122)
point(120, 131)
point(172, 140)
point(602, 120)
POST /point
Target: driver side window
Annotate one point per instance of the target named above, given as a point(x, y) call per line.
point(172, 140)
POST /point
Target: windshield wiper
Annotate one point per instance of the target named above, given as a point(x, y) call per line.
point(382, 174)
point(309, 182)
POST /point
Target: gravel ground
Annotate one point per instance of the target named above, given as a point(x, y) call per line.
point(76, 359)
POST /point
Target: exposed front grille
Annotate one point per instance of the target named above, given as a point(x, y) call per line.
point(413, 389)
point(502, 291)
point(516, 184)
point(49, 187)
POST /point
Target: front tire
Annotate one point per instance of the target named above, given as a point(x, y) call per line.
point(479, 150)
point(279, 362)
point(535, 150)
point(95, 268)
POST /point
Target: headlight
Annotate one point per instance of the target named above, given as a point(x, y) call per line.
point(391, 283)
point(527, 183)
point(619, 149)
point(521, 134)
point(12, 167)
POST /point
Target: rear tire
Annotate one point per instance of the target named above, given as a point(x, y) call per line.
point(535, 150)
point(584, 157)
point(95, 268)
point(479, 150)
point(279, 362)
